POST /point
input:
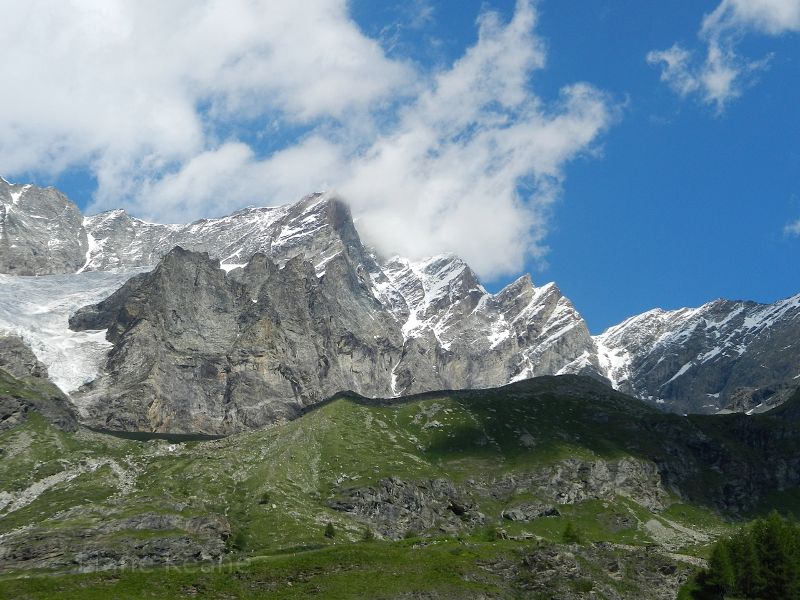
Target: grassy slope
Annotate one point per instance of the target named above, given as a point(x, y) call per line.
point(273, 486)
point(360, 570)
point(443, 568)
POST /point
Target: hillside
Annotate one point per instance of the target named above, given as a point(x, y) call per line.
point(514, 464)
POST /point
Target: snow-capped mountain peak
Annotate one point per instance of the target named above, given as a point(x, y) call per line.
point(703, 359)
point(420, 324)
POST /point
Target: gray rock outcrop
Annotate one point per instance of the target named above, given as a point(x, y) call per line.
point(17, 360)
point(136, 542)
point(530, 512)
point(396, 508)
point(574, 480)
point(198, 351)
point(24, 388)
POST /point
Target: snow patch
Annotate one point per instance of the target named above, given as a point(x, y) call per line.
point(526, 373)
point(15, 196)
point(500, 332)
point(395, 392)
point(711, 354)
point(615, 363)
point(319, 268)
point(680, 373)
point(231, 266)
point(94, 248)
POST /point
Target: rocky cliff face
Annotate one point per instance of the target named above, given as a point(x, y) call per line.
point(41, 231)
point(17, 360)
point(199, 350)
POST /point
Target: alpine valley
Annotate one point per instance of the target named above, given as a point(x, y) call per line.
point(266, 394)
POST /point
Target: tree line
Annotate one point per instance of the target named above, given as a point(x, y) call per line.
point(760, 561)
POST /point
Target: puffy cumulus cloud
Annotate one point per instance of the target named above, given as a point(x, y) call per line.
point(146, 83)
point(467, 159)
point(723, 75)
point(230, 176)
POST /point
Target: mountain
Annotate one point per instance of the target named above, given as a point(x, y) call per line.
point(736, 355)
point(199, 350)
point(178, 344)
point(394, 326)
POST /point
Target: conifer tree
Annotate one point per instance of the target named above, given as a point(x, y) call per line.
point(748, 570)
point(761, 561)
point(720, 566)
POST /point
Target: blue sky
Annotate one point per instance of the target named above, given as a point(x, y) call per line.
point(639, 153)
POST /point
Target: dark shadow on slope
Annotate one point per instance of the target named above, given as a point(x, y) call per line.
point(728, 462)
point(147, 436)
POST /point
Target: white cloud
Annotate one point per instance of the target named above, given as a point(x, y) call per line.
point(231, 176)
point(676, 71)
point(723, 75)
point(468, 159)
point(420, 12)
point(772, 17)
point(113, 80)
point(792, 228)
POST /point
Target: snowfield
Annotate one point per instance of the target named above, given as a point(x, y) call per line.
point(37, 309)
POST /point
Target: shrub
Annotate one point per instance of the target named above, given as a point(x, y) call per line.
point(491, 533)
point(237, 541)
point(571, 534)
point(330, 530)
